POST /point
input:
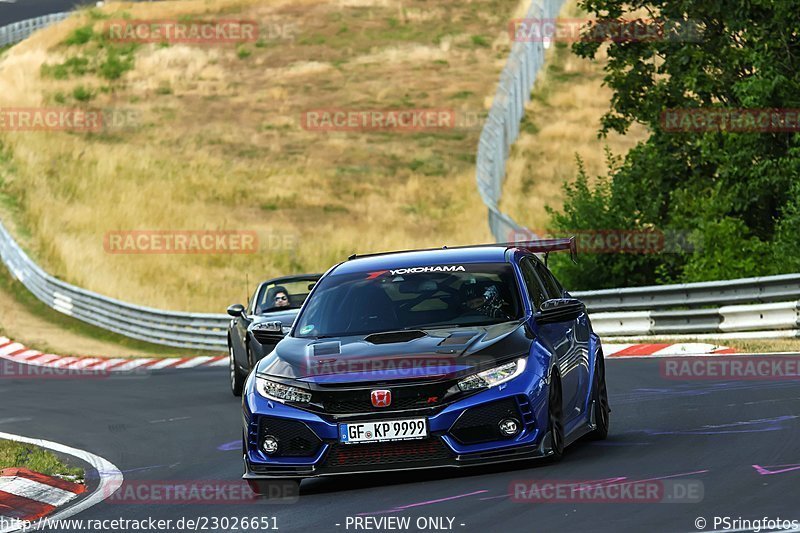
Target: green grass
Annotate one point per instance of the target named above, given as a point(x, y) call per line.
point(243, 52)
point(20, 455)
point(80, 36)
point(82, 94)
point(481, 41)
point(27, 300)
point(96, 54)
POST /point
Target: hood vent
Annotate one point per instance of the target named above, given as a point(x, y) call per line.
point(395, 336)
point(326, 348)
point(458, 338)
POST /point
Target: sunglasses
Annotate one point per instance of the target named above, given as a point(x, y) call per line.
point(281, 298)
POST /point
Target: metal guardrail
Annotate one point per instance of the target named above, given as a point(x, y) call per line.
point(630, 311)
point(773, 319)
point(502, 123)
point(18, 31)
point(171, 328)
point(692, 295)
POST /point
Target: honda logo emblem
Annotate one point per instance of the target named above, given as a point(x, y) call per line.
point(381, 398)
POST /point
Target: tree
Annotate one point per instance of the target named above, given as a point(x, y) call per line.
point(734, 194)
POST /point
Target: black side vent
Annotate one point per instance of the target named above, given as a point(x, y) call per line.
point(395, 336)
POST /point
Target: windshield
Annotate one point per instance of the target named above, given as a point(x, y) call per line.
point(287, 294)
point(411, 298)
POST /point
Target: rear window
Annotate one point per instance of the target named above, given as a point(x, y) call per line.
point(411, 298)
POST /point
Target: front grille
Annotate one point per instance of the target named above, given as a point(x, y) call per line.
point(267, 337)
point(355, 406)
point(387, 453)
point(480, 424)
point(403, 398)
point(295, 439)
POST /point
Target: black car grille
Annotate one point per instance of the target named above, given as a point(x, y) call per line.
point(480, 424)
point(295, 439)
point(403, 398)
point(267, 337)
point(387, 453)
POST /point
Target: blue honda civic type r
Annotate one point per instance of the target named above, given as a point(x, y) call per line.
point(430, 358)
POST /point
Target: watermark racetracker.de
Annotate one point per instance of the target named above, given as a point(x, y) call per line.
point(607, 491)
point(572, 30)
point(735, 120)
point(614, 241)
point(745, 368)
point(174, 31)
point(191, 242)
point(202, 492)
point(67, 119)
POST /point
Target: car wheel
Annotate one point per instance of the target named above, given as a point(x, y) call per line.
point(555, 417)
point(602, 410)
point(237, 379)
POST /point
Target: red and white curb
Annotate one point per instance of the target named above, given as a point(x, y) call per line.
point(14, 351)
point(109, 481)
point(28, 496)
point(664, 350)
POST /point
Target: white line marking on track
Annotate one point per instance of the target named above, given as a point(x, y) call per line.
point(611, 349)
point(14, 419)
point(110, 476)
point(33, 490)
point(9, 348)
point(164, 362)
point(64, 361)
point(130, 365)
point(43, 359)
point(106, 363)
point(82, 363)
point(195, 361)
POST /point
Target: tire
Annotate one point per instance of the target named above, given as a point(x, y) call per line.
point(600, 399)
point(236, 377)
point(555, 418)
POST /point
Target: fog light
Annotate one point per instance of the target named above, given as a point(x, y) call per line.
point(509, 427)
point(269, 444)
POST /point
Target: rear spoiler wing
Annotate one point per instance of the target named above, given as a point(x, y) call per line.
point(536, 246)
point(545, 246)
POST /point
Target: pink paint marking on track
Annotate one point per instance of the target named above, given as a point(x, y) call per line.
point(766, 470)
point(427, 502)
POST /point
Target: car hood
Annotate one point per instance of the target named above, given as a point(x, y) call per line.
point(391, 356)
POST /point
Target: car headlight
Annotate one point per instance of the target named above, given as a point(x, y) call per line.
point(278, 391)
point(493, 376)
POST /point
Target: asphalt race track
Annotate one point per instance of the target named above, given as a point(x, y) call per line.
point(739, 438)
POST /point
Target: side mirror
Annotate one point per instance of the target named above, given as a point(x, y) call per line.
point(236, 310)
point(559, 310)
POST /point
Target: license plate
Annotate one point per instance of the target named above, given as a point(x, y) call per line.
point(383, 431)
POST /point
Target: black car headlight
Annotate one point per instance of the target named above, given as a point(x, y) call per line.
point(493, 376)
point(273, 390)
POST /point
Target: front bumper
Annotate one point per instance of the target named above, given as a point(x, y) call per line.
point(317, 452)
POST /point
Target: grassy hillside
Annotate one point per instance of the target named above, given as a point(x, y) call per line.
point(214, 140)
